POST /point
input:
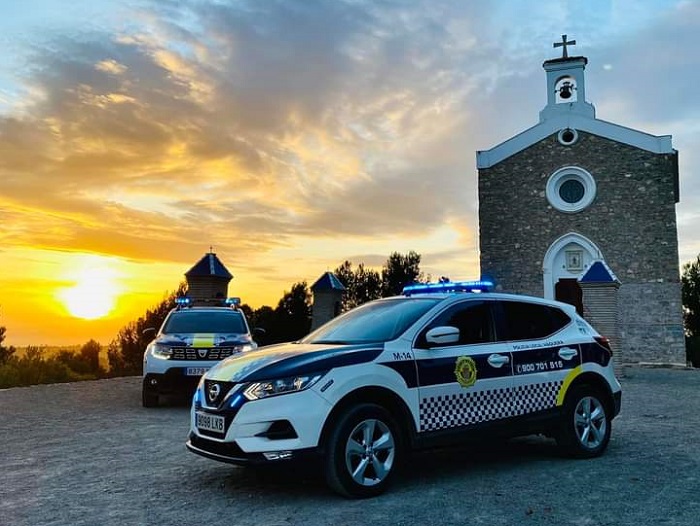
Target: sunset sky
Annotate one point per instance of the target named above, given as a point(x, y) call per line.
point(290, 135)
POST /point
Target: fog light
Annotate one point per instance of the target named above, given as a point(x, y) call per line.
point(278, 455)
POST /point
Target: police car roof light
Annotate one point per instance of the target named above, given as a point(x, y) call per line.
point(233, 302)
point(448, 286)
point(183, 301)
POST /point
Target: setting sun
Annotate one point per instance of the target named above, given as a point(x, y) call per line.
point(93, 295)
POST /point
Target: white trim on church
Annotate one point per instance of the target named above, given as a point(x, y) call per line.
point(608, 130)
point(567, 109)
point(556, 263)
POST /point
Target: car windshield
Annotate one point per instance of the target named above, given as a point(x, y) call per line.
point(378, 321)
point(208, 321)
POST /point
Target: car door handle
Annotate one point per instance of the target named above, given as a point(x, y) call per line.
point(498, 360)
point(567, 353)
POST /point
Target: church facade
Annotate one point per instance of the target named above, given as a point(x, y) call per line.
point(583, 210)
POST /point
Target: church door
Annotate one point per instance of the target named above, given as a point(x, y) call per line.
point(569, 291)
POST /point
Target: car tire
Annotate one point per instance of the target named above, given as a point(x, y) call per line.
point(362, 451)
point(584, 430)
point(149, 399)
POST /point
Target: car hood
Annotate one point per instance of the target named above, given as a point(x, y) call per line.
point(203, 339)
point(291, 359)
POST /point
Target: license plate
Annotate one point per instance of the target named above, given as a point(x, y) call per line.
point(209, 422)
point(196, 371)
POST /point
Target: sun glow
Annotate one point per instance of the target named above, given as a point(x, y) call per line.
point(94, 294)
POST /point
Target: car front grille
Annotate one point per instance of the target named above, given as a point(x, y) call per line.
point(204, 353)
point(215, 396)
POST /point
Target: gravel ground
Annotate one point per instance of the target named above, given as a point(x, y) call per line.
point(88, 454)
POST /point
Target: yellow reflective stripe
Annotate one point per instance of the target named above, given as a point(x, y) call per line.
point(567, 382)
point(203, 340)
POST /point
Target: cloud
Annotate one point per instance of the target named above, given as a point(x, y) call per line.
point(257, 123)
point(268, 118)
point(651, 72)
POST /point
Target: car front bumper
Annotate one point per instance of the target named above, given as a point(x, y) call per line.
point(285, 423)
point(231, 453)
point(173, 381)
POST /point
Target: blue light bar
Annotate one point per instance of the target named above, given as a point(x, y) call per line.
point(233, 302)
point(448, 286)
point(182, 301)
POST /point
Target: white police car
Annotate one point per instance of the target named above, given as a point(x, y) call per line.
point(190, 341)
point(442, 363)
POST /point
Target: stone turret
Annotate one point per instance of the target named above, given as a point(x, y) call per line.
point(208, 279)
point(328, 299)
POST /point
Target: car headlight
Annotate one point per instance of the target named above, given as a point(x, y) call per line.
point(160, 351)
point(292, 384)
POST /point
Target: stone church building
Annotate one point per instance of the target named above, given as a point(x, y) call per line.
point(584, 211)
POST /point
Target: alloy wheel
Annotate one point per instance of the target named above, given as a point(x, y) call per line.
point(370, 452)
point(590, 422)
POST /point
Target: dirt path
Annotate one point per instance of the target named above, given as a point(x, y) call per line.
point(88, 454)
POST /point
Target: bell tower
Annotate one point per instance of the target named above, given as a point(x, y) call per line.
point(566, 86)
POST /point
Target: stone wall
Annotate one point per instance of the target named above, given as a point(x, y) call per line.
point(651, 323)
point(326, 306)
point(632, 220)
point(601, 307)
point(202, 288)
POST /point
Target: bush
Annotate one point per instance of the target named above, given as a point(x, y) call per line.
point(125, 352)
point(34, 367)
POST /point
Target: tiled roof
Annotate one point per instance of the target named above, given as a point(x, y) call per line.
point(209, 265)
point(598, 272)
point(327, 282)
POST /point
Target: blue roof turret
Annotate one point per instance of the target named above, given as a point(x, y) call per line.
point(209, 265)
point(598, 272)
point(327, 282)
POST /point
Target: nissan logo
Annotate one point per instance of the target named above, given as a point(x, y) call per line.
point(213, 392)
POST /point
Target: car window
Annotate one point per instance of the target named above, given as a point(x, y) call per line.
point(192, 321)
point(529, 321)
point(473, 319)
point(377, 321)
point(558, 318)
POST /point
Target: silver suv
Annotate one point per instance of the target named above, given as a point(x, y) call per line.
point(190, 341)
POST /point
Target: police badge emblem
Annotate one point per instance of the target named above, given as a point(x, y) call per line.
point(465, 371)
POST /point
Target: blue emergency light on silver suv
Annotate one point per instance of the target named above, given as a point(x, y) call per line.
point(441, 363)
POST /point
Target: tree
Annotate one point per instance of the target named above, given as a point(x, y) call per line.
point(399, 271)
point(361, 285)
point(125, 352)
point(5, 352)
point(690, 291)
point(292, 317)
point(264, 318)
point(90, 355)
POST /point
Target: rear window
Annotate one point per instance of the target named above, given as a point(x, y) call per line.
point(224, 321)
point(530, 321)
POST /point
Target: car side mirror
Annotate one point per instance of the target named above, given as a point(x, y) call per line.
point(258, 332)
point(442, 335)
point(149, 330)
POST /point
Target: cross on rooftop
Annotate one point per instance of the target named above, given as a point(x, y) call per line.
point(563, 44)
